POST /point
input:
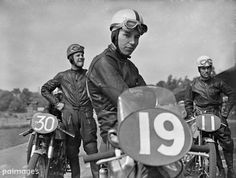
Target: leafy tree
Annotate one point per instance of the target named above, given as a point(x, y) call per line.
point(16, 92)
point(177, 86)
point(5, 100)
point(26, 96)
point(161, 84)
point(17, 101)
point(17, 105)
point(37, 97)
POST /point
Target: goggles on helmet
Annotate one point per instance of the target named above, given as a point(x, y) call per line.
point(131, 24)
point(205, 62)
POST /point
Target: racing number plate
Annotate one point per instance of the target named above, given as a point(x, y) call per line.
point(155, 137)
point(44, 123)
point(208, 122)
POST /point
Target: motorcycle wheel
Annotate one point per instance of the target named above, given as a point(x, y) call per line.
point(208, 169)
point(210, 163)
point(37, 166)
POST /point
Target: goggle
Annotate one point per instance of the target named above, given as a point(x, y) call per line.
point(130, 24)
point(206, 62)
point(77, 48)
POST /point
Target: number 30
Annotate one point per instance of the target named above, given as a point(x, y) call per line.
point(44, 123)
point(176, 134)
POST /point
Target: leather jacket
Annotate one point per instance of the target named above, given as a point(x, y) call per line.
point(73, 85)
point(109, 74)
point(208, 95)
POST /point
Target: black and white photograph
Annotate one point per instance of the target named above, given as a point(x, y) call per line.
point(117, 89)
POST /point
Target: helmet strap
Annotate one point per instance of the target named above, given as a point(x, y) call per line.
point(114, 40)
point(71, 59)
point(114, 37)
point(202, 77)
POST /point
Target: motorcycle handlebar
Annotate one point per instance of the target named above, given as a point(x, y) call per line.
point(191, 119)
point(27, 132)
point(68, 133)
point(98, 156)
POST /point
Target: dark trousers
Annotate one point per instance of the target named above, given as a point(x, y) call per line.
point(81, 123)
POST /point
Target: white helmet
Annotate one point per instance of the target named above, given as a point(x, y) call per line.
point(204, 61)
point(128, 19)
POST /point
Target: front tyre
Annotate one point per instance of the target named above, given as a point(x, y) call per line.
point(210, 163)
point(37, 166)
point(201, 166)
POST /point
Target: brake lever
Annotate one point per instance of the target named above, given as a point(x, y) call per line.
point(113, 138)
point(102, 161)
point(190, 120)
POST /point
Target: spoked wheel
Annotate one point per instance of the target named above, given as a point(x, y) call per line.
point(191, 168)
point(37, 166)
point(201, 166)
point(209, 164)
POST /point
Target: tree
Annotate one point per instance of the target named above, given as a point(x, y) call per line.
point(17, 101)
point(36, 97)
point(161, 84)
point(16, 92)
point(25, 96)
point(177, 86)
point(16, 105)
point(5, 100)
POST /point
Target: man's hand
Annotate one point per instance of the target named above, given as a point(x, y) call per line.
point(59, 106)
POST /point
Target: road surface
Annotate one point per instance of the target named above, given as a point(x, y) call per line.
point(13, 163)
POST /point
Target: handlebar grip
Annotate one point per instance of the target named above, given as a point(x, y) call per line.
point(201, 148)
point(98, 156)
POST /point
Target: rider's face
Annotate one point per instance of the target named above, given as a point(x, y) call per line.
point(128, 41)
point(78, 59)
point(205, 72)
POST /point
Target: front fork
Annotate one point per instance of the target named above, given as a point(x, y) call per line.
point(44, 149)
point(50, 153)
point(209, 139)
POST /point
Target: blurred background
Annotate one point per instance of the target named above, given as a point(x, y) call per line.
point(35, 35)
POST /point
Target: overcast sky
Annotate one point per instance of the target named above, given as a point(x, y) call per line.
point(34, 36)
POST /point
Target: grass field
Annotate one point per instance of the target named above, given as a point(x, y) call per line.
point(10, 137)
point(10, 127)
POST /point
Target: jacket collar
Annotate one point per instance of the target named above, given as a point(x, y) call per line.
point(113, 48)
point(80, 70)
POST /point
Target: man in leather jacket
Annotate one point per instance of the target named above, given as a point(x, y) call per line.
point(205, 95)
point(76, 108)
point(112, 72)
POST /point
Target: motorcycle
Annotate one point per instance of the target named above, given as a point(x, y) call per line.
point(201, 160)
point(46, 149)
point(151, 134)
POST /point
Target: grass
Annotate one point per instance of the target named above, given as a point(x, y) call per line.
point(10, 137)
point(11, 125)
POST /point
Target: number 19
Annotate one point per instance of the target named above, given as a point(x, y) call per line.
point(176, 134)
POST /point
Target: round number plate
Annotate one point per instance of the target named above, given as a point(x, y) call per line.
point(44, 123)
point(208, 122)
point(155, 136)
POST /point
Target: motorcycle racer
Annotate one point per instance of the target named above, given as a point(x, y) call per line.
point(76, 108)
point(205, 95)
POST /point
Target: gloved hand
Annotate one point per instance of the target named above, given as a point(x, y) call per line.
point(59, 106)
